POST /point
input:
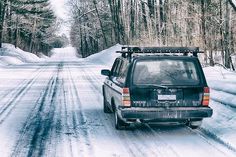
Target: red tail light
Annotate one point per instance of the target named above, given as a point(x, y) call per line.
point(206, 96)
point(126, 97)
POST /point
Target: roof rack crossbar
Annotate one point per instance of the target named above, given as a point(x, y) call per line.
point(179, 50)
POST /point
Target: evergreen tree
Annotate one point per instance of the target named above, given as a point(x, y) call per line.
point(27, 23)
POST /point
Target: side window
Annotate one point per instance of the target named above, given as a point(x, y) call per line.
point(117, 72)
point(123, 72)
point(116, 68)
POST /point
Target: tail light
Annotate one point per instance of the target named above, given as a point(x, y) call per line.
point(126, 97)
point(206, 96)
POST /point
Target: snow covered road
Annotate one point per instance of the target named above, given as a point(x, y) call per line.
point(55, 109)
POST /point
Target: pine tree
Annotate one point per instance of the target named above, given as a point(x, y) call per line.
point(26, 23)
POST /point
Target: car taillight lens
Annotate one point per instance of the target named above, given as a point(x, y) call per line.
point(206, 96)
point(126, 97)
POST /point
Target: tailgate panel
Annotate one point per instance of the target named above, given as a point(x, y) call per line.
point(171, 97)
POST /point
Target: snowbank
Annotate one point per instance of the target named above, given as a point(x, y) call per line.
point(105, 57)
point(222, 125)
point(223, 85)
point(41, 55)
point(9, 55)
point(6, 60)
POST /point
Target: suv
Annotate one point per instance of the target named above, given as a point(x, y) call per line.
point(156, 84)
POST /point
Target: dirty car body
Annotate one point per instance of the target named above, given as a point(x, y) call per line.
point(156, 88)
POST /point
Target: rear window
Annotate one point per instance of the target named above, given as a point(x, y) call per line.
point(165, 72)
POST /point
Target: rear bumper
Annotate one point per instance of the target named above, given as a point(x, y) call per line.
point(165, 113)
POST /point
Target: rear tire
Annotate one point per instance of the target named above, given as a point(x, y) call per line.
point(195, 124)
point(119, 123)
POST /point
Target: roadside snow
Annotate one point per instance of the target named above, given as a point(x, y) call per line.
point(9, 55)
point(8, 60)
point(41, 55)
point(223, 101)
point(223, 85)
point(105, 57)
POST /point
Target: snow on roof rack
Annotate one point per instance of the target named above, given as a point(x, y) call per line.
point(128, 51)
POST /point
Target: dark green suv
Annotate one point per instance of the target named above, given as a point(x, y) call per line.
point(156, 84)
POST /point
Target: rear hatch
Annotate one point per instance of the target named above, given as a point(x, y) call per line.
point(167, 82)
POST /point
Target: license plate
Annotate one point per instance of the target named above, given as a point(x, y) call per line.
point(166, 97)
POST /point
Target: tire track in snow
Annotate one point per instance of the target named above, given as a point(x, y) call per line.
point(55, 135)
point(79, 119)
point(209, 135)
point(221, 99)
point(66, 123)
point(44, 122)
point(16, 95)
point(204, 136)
point(13, 90)
point(223, 90)
point(37, 128)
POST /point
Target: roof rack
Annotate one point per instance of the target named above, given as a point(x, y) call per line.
point(128, 51)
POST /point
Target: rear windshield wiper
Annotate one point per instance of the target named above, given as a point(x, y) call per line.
point(158, 86)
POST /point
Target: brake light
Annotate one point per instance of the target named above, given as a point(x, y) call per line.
point(126, 97)
point(206, 96)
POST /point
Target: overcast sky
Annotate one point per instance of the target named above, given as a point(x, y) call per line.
point(60, 9)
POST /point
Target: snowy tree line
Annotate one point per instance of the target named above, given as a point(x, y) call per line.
point(28, 24)
point(209, 24)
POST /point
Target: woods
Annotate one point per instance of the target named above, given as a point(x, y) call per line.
point(208, 24)
point(28, 24)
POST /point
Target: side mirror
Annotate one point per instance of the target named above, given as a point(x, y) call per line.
point(106, 72)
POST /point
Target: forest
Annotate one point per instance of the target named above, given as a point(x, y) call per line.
point(208, 24)
point(29, 24)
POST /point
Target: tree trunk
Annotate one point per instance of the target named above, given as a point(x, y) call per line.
point(132, 20)
point(16, 32)
point(33, 35)
point(3, 5)
point(9, 22)
point(1, 26)
point(161, 21)
point(144, 16)
point(221, 34)
point(100, 22)
point(203, 24)
point(114, 20)
point(227, 35)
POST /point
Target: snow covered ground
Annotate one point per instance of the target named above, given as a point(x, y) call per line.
point(54, 108)
point(9, 55)
point(105, 57)
point(223, 101)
